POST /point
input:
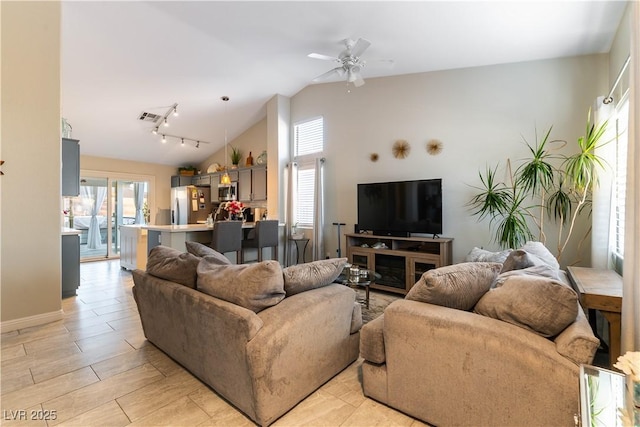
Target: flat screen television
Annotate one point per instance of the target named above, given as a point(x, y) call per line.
point(401, 208)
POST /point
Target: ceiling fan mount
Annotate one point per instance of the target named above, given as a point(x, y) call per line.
point(349, 60)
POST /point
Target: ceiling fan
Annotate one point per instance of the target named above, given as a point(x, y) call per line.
point(350, 62)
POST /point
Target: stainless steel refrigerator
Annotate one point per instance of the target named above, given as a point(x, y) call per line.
point(190, 204)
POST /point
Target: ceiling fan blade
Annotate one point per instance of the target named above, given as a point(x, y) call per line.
point(323, 57)
point(339, 71)
point(380, 62)
point(360, 46)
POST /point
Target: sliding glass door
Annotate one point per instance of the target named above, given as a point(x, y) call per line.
point(104, 204)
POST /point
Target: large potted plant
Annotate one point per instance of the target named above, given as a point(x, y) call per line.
point(545, 184)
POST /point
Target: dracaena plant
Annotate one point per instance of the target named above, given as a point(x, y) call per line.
point(557, 185)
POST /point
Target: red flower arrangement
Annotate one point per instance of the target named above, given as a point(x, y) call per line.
point(234, 207)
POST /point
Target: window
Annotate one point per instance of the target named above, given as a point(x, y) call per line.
point(620, 182)
point(308, 145)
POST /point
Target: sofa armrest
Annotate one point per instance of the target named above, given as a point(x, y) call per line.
point(372, 341)
point(577, 342)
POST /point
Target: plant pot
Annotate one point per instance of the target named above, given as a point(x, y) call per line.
point(187, 173)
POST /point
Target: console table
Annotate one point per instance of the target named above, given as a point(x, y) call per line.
point(601, 289)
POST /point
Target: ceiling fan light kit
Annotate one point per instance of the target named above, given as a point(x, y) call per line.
point(349, 60)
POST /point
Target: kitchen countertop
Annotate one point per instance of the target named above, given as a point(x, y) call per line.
point(66, 231)
point(188, 227)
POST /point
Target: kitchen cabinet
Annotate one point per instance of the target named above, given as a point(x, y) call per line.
point(181, 180)
point(204, 180)
point(70, 263)
point(252, 184)
point(70, 167)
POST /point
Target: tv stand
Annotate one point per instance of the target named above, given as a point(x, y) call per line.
point(404, 260)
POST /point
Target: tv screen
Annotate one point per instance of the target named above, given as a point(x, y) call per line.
point(401, 208)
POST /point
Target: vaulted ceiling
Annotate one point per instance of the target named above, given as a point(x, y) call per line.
point(122, 59)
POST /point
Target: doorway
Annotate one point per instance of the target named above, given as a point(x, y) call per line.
point(104, 204)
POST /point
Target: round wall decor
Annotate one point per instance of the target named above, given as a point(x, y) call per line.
point(401, 149)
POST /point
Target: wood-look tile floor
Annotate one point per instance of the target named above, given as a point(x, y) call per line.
point(95, 368)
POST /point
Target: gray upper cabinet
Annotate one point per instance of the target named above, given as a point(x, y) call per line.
point(180, 180)
point(201, 180)
point(252, 184)
point(70, 167)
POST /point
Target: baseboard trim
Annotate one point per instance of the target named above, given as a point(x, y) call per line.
point(27, 322)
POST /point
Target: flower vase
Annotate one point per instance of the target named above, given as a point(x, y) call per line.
point(233, 217)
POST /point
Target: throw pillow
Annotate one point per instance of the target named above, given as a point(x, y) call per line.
point(539, 304)
point(542, 270)
point(520, 259)
point(482, 255)
point(171, 264)
point(200, 250)
point(456, 286)
point(311, 275)
point(540, 250)
point(252, 286)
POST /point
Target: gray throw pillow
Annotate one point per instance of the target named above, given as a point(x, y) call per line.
point(520, 259)
point(200, 250)
point(481, 255)
point(252, 286)
point(311, 275)
point(541, 251)
point(457, 286)
point(542, 270)
point(539, 304)
point(171, 264)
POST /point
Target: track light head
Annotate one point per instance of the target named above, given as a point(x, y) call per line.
point(175, 111)
point(155, 130)
point(164, 139)
point(166, 123)
point(197, 144)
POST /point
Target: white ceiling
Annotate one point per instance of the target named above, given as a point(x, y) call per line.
point(120, 59)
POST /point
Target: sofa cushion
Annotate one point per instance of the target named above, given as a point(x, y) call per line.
point(171, 264)
point(456, 286)
point(539, 304)
point(481, 255)
point(541, 270)
point(252, 286)
point(311, 275)
point(200, 250)
point(541, 251)
point(520, 259)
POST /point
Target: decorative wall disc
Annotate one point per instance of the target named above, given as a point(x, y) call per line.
point(374, 157)
point(434, 147)
point(401, 149)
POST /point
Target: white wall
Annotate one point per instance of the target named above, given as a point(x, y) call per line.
point(30, 242)
point(480, 115)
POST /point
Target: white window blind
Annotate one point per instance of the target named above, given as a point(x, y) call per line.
point(309, 137)
point(308, 144)
point(620, 185)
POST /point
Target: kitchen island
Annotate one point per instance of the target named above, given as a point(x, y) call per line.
point(175, 236)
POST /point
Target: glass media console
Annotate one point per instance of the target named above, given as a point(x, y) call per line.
point(400, 261)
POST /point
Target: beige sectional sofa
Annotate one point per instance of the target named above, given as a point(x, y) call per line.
point(457, 353)
point(263, 337)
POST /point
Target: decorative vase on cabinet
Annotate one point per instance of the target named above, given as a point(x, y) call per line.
point(262, 158)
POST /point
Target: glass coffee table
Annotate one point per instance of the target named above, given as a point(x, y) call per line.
point(361, 278)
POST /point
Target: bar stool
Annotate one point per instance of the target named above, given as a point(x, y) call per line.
point(264, 235)
point(227, 237)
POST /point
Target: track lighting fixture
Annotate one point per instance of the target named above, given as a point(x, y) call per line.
point(164, 122)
